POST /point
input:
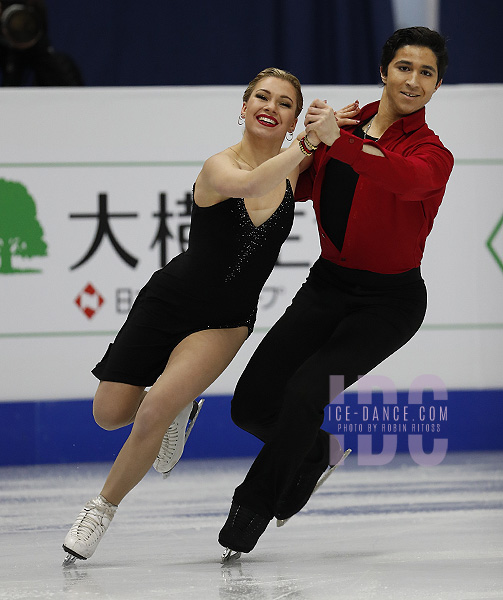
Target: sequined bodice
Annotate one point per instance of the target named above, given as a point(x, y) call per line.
point(228, 258)
point(253, 237)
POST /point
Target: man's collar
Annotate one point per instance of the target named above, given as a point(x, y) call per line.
point(408, 123)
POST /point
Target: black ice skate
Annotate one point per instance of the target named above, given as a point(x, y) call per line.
point(304, 487)
point(241, 532)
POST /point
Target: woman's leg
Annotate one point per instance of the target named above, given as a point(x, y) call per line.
point(193, 365)
point(116, 404)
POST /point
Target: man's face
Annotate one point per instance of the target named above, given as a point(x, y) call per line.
point(411, 79)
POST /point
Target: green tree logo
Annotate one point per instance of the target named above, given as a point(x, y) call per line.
point(20, 232)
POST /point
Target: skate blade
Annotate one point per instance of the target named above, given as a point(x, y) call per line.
point(229, 556)
point(321, 481)
point(329, 472)
point(69, 560)
point(193, 420)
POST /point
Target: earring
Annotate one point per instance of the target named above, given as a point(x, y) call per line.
point(241, 120)
point(289, 139)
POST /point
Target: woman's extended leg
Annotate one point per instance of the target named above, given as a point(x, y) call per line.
point(193, 365)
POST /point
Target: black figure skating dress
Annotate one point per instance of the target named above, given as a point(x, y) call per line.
point(214, 284)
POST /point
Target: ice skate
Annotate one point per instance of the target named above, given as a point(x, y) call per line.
point(85, 534)
point(229, 556)
point(175, 437)
point(281, 521)
point(240, 532)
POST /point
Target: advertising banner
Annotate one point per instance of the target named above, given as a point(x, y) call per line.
point(95, 195)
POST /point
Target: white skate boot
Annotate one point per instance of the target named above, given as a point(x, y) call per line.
point(85, 534)
point(174, 439)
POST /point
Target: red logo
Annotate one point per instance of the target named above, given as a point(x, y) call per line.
point(89, 300)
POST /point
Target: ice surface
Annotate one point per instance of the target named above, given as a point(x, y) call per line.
point(397, 531)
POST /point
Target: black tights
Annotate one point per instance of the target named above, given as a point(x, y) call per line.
point(341, 322)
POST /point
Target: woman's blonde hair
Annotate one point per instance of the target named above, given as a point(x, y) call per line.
point(280, 74)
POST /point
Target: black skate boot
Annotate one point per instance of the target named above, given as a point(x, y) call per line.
point(297, 495)
point(307, 481)
point(241, 531)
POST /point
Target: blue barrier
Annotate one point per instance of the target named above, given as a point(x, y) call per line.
point(64, 431)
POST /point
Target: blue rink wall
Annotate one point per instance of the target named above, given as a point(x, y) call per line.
point(65, 432)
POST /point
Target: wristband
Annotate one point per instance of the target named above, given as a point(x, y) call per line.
point(308, 144)
point(304, 148)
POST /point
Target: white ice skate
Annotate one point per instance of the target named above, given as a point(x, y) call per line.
point(85, 534)
point(321, 481)
point(175, 437)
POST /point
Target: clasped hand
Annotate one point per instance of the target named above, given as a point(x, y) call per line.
point(324, 123)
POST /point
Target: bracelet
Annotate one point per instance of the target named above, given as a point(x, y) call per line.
point(308, 144)
point(303, 147)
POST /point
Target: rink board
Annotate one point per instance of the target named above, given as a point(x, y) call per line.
point(65, 432)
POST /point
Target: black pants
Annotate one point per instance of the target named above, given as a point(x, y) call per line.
point(341, 322)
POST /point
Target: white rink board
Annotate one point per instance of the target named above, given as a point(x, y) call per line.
point(134, 146)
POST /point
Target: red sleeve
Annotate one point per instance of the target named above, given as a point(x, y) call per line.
point(423, 167)
point(304, 187)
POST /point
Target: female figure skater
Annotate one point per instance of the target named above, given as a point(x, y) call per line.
point(193, 315)
point(376, 189)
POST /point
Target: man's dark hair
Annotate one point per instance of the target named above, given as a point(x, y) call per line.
point(416, 36)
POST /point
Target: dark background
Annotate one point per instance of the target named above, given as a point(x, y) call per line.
point(166, 42)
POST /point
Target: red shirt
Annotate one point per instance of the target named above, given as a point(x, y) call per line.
point(396, 197)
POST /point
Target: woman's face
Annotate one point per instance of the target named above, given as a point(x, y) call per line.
point(271, 107)
point(411, 80)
